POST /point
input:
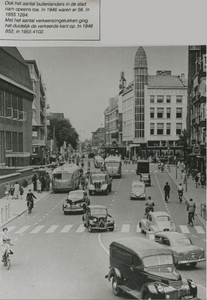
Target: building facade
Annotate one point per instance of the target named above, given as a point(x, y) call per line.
point(39, 116)
point(196, 121)
point(111, 121)
point(16, 96)
point(98, 138)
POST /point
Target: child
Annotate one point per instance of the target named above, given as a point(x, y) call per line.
point(21, 191)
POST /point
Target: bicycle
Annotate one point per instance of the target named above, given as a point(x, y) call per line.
point(29, 207)
point(180, 196)
point(7, 261)
point(190, 218)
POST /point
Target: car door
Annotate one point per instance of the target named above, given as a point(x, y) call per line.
point(137, 275)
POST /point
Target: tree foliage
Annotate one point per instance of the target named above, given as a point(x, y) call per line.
point(64, 132)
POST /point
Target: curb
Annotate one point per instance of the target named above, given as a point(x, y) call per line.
point(18, 215)
point(203, 222)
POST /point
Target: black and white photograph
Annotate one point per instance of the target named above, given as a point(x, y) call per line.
point(102, 164)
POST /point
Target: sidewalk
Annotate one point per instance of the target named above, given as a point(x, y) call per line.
point(198, 194)
point(13, 208)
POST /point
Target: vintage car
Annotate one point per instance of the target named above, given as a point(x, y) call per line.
point(146, 270)
point(184, 252)
point(145, 178)
point(100, 183)
point(98, 161)
point(157, 221)
point(73, 202)
point(137, 190)
point(96, 217)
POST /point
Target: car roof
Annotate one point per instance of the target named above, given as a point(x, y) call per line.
point(171, 234)
point(98, 157)
point(138, 182)
point(141, 246)
point(96, 206)
point(76, 192)
point(112, 158)
point(66, 167)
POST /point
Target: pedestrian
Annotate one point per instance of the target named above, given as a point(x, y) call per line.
point(47, 181)
point(7, 190)
point(38, 186)
point(12, 192)
point(203, 180)
point(196, 180)
point(42, 180)
point(16, 190)
point(30, 198)
point(21, 192)
point(167, 191)
point(183, 176)
point(191, 207)
point(34, 181)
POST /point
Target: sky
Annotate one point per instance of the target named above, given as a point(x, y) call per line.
point(80, 81)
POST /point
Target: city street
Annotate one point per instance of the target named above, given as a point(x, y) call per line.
point(55, 257)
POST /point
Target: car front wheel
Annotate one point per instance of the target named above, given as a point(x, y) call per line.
point(147, 296)
point(116, 290)
point(89, 228)
point(107, 191)
point(193, 264)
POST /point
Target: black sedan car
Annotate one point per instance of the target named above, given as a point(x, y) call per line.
point(74, 202)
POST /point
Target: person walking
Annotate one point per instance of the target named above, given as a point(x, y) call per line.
point(34, 181)
point(30, 198)
point(21, 192)
point(167, 191)
point(12, 192)
point(196, 180)
point(7, 190)
point(191, 207)
point(38, 186)
point(47, 181)
point(16, 190)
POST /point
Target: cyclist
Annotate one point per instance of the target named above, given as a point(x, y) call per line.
point(167, 191)
point(180, 192)
point(6, 243)
point(191, 211)
point(30, 198)
point(86, 201)
point(83, 182)
point(149, 205)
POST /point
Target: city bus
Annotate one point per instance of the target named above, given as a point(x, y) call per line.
point(65, 178)
point(114, 166)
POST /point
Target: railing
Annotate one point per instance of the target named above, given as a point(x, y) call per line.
point(203, 210)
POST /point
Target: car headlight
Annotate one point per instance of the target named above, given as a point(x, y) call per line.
point(160, 288)
point(95, 220)
point(193, 285)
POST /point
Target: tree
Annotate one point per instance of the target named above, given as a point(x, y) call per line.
point(63, 131)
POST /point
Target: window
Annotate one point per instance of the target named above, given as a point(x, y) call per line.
point(168, 113)
point(8, 141)
point(152, 98)
point(179, 99)
point(9, 109)
point(160, 111)
point(160, 99)
point(178, 128)
point(168, 128)
point(178, 112)
point(152, 113)
point(160, 127)
point(168, 99)
point(2, 104)
point(152, 128)
point(20, 142)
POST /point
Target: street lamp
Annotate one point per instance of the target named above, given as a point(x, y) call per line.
point(168, 159)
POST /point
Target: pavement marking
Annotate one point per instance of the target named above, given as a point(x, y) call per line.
point(52, 229)
point(81, 228)
point(184, 228)
point(10, 228)
point(66, 228)
point(100, 242)
point(23, 229)
point(138, 228)
point(37, 229)
point(126, 170)
point(125, 228)
point(132, 170)
point(199, 229)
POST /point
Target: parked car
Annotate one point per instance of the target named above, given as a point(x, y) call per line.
point(138, 190)
point(100, 182)
point(184, 252)
point(146, 178)
point(157, 221)
point(146, 270)
point(73, 202)
point(97, 217)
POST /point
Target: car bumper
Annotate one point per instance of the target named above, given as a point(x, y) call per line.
point(73, 209)
point(190, 261)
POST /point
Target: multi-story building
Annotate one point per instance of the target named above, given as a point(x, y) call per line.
point(111, 120)
point(39, 117)
point(98, 138)
point(16, 96)
point(154, 111)
point(197, 91)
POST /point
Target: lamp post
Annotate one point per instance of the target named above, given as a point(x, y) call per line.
point(168, 159)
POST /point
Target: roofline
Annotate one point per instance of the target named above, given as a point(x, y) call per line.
point(13, 82)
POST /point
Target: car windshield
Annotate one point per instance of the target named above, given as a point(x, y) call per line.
point(98, 211)
point(183, 241)
point(75, 196)
point(98, 177)
point(158, 260)
point(163, 218)
point(112, 164)
point(137, 186)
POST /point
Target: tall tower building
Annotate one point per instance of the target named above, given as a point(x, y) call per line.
point(140, 80)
